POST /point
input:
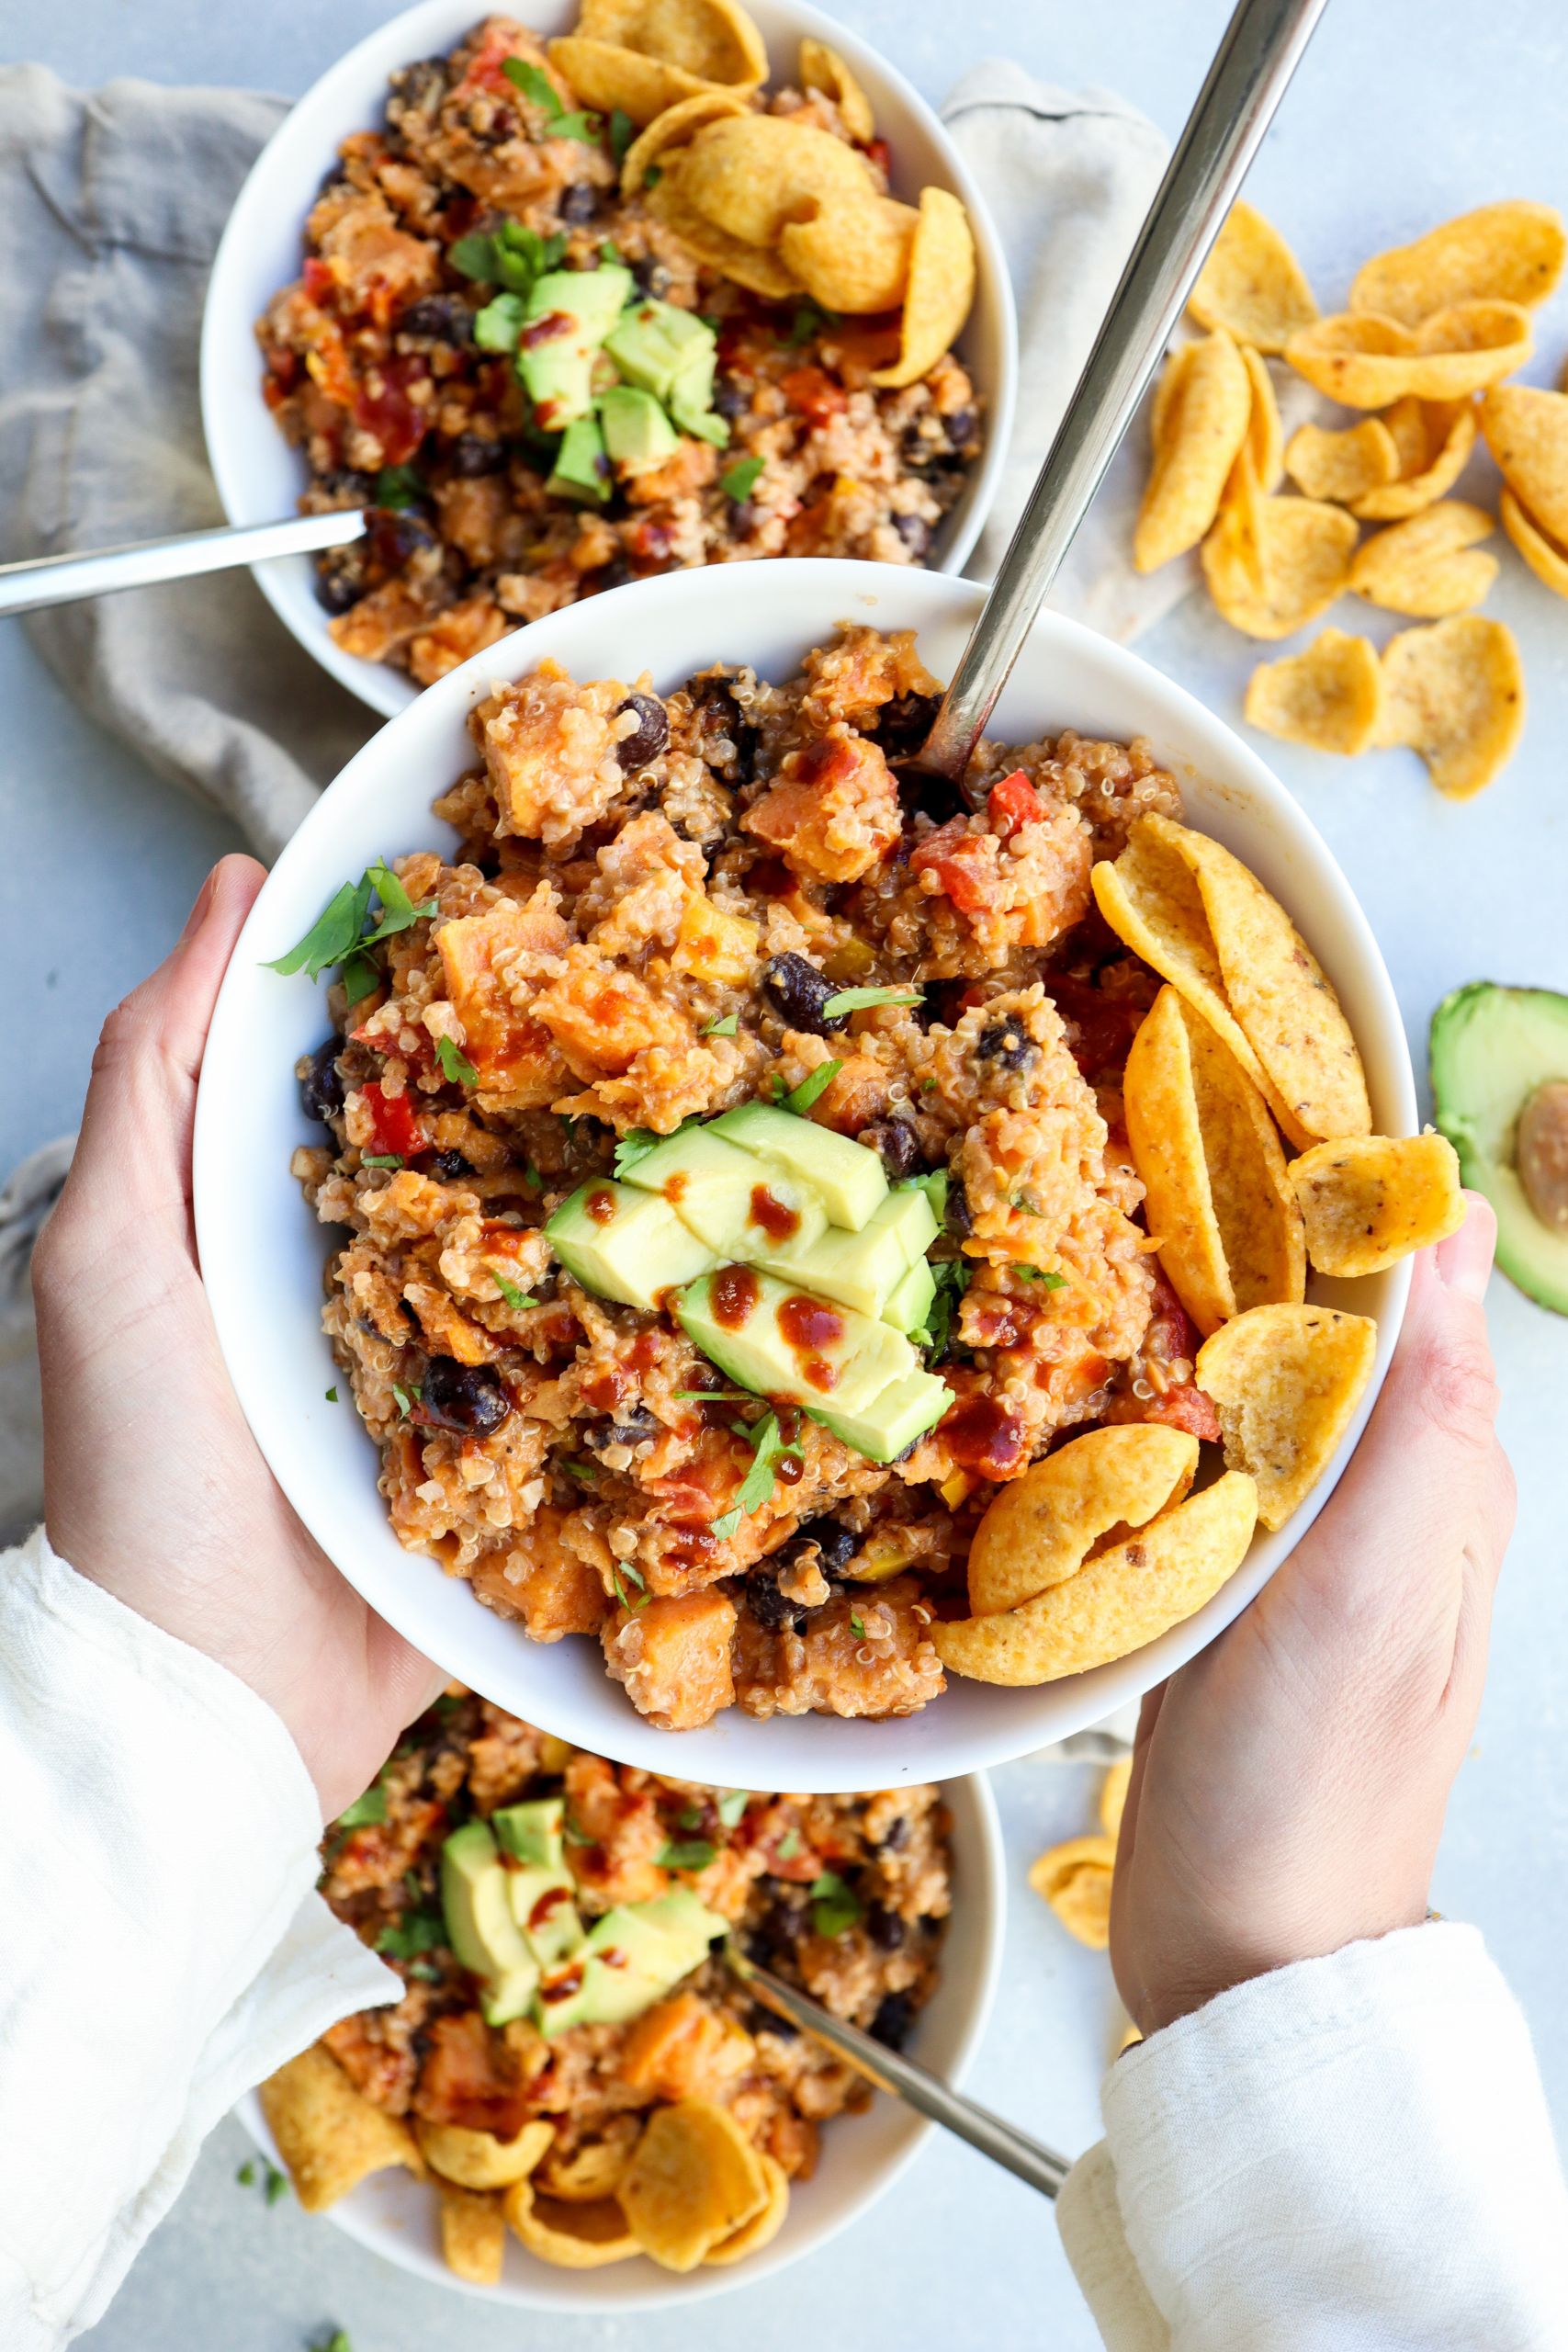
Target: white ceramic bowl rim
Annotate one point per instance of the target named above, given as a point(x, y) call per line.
point(259, 477)
point(261, 1254)
point(863, 2156)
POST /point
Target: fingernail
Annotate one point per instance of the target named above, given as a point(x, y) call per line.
point(1465, 1260)
point(197, 914)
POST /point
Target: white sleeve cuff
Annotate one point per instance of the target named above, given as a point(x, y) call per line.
point(165, 1946)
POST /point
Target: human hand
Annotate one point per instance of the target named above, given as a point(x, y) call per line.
point(153, 1486)
point(1289, 1784)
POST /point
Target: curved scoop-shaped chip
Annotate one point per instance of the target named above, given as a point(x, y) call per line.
point(1510, 253)
point(714, 40)
point(1274, 564)
point(1285, 1382)
point(1455, 693)
point(1252, 283)
point(694, 2181)
point(1037, 1530)
point(755, 173)
point(763, 2227)
point(473, 2234)
point(569, 2236)
point(940, 292)
point(676, 127)
point(1198, 428)
point(1074, 1879)
point(853, 258)
point(823, 69)
point(1367, 361)
point(1546, 559)
point(1118, 1600)
point(1427, 566)
point(1434, 439)
point(1329, 696)
point(477, 2159)
point(328, 2133)
point(1342, 465)
point(1368, 1201)
point(611, 78)
point(1527, 432)
point(751, 265)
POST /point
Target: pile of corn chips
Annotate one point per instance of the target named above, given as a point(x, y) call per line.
point(1107, 1543)
point(1432, 330)
point(687, 2187)
point(772, 201)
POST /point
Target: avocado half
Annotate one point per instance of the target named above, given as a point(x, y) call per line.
point(1491, 1050)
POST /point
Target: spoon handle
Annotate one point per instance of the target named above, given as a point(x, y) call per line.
point(1261, 48)
point(62, 579)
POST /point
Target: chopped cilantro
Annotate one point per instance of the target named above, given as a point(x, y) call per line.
point(380, 1159)
point(412, 1888)
point(767, 1448)
point(399, 486)
point(336, 2342)
point(454, 1065)
point(415, 1932)
point(713, 1396)
point(332, 1393)
point(810, 318)
point(332, 936)
point(952, 1277)
point(688, 1854)
point(371, 1807)
point(927, 1086)
point(510, 1292)
point(246, 2172)
point(584, 1471)
point(834, 1905)
point(425, 1969)
point(1026, 1202)
point(359, 977)
point(407, 1397)
point(446, 1704)
point(398, 910)
point(572, 1834)
point(800, 1098)
point(740, 479)
point(622, 132)
point(474, 256)
point(276, 2184)
point(532, 80)
point(788, 1845)
point(690, 1818)
point(731, 1805)
point(531, 1178)
point(499, 323)
point(725, 1027)
point(857, 1626)
point(859, 1000)
point(652, 175)
point(635, 1145)
point(623, 1568)
point(1035, 1274)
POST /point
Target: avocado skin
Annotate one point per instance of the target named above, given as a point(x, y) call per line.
point(1489, 1047)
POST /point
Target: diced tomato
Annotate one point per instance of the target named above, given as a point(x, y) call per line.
point(1185, 1408)
point(320, 283)
point(813, 395)
point(880, 154)
point(955, 857)
point(282, 368)
point(1013, 802)
point(395, 1128)
point(390, 413)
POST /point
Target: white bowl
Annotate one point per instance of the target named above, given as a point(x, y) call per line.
point(862, 2156)
point(260, 478)
point(262, 1252)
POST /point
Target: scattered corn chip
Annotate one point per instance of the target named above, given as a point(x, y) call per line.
point(477, 2159)
point(751, 265)
point(751, 175)
point(694, 2181)
point(940, 292)
point(1527, 432)
point(1546, 559)
point(328, 2133)
point(1038, 1529)
point(1274, 569)
point(1368, 1201)
point(1172, 376)
point(1119, 1598)
point(672, 128)
point(609, 76)
point(1367, 361)
point(1419, 567)
point(1113, 1796)
point(1074, 1879)
point(1330, 696)
point(763, 2227)
point(854, 257)
point(1265, 434)
point(1434, 439)
point(1511, 252)
point(1252, 283)
point(823, 69)
point(569, 2236)
point(1218, 1201)
point(473, 2236)
point(1286, 1382)
point(1342, 466)
point(1200, 428)
point(1455, 693)
point(596, 2168)
point(714, 40)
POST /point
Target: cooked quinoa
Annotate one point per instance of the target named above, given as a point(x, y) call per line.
point(650, 902)
point(865, 1945)
point(372, 370)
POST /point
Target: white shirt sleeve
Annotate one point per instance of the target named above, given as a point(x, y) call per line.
point(1352, 2155)
point(164, 1946)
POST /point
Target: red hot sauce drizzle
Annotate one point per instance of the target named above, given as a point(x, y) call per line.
point(600, 1205)
point(982, 1435)
point(809, 1325)
point(734, 1295)
point(777, 1219)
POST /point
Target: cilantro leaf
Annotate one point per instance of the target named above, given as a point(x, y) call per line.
point(369, 1808)
point(767, 1449)
point(725, 1027)
point(276, 2184)
point(533, 83)
point(509, 1290)
point(405, 1396)
point(714, 1396)
point(380, 1159)
point(584, 1471)
point(474, 256)
point(810, 318)
point(858, 999)
point(788, 1845)
point(415, 1932)
point(635, 1145)
point(359, 977)
point(740, 479)
point(623, 1569)
point(246, 2172)
point(622, 132)
point(857, 1626)
point(953, 1278)
point(454, 1065)
point(332, 1393)
point(585, 126)
point(688, 1854)
point(398, 487)
point(398, 910)
point(800, 1098)
point(1035, 1274)
point(835, 1907)
point(331, 937)
point(731, 1805)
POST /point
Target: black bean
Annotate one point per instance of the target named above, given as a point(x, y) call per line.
point(649, 736)
point(959, 427)
point(780, 1927)
point(469, 1396)
point(836, 1548)
point(651, 276)
point(731, 399)
point(347, 482)
point(638, 1424)
point(915, 532)
point(502, 126)
point(338, 586)
point(719, 716)
point(898, 1834)
point(770, 1605)
point(936, 797)
point(471, 454)
point(421, 86)
point(613, 574)
point(396, 538)
point(334, 177)
point(444, 317)
point(959, 1219)
point(903, 724)
point(798, 991)
point(449, 1165)
point(579, 202)
point(1008, 1042)
point(894, 1141)
point(893, 2021)
point(762, 2020)
point(884, 1927)
point(320, 1089)
point(741, 518)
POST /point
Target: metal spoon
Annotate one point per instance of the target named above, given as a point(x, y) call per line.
point(1003, 2143)
point(62, 579)
point(1260, 50)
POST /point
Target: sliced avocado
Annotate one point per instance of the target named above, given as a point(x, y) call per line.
point(656, 341)
point(776, 1340)
point(480, 1929)
point(898, 1417)
point(624, 1244)
point(686, 1919)
point(532, 1832)
point(632, 1957)
point(594, 298)
point(637, 434)
point(582, 467)
point(729, 1199)
point(934, 1184)
point(570, 313)
point(847, 1175)
point(543, 1904)
point(1499, 1059)
point(690, 400)
point(910, 1301)
point(860, 1270)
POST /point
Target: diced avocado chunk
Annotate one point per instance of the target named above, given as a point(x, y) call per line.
point(480, 1928)
point(934, 1184)
point(728, 1198)
point(655, 342)
point(570, 313)
point(594, 298)
point(773, 1339)
point(899, 1416)
point(846, 1176)
point(544, 1903)
point(582, 467)
point(1499, 1059)
point(860, 1270)
point(631, 1958)
point(532, 1832)
point(686, 1919)
point(690, 400)
point(624, 1244)
point(637, 434)
point(909, 1302)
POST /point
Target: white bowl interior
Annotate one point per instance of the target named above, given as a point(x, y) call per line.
point(862, 2156)
point(259, 477)
point(262, 1252)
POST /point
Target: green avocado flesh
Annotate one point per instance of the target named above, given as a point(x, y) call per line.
point(1492, 1051)
point(723, 1194)
point(517, 1930)
point(625, 1245)
point(637, 434)
point(570, 313)
point(583, 465)
point(860, 1270)
point(899, 1415)
point(845, 1175)
point(657, 344)
point(532, 1832)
